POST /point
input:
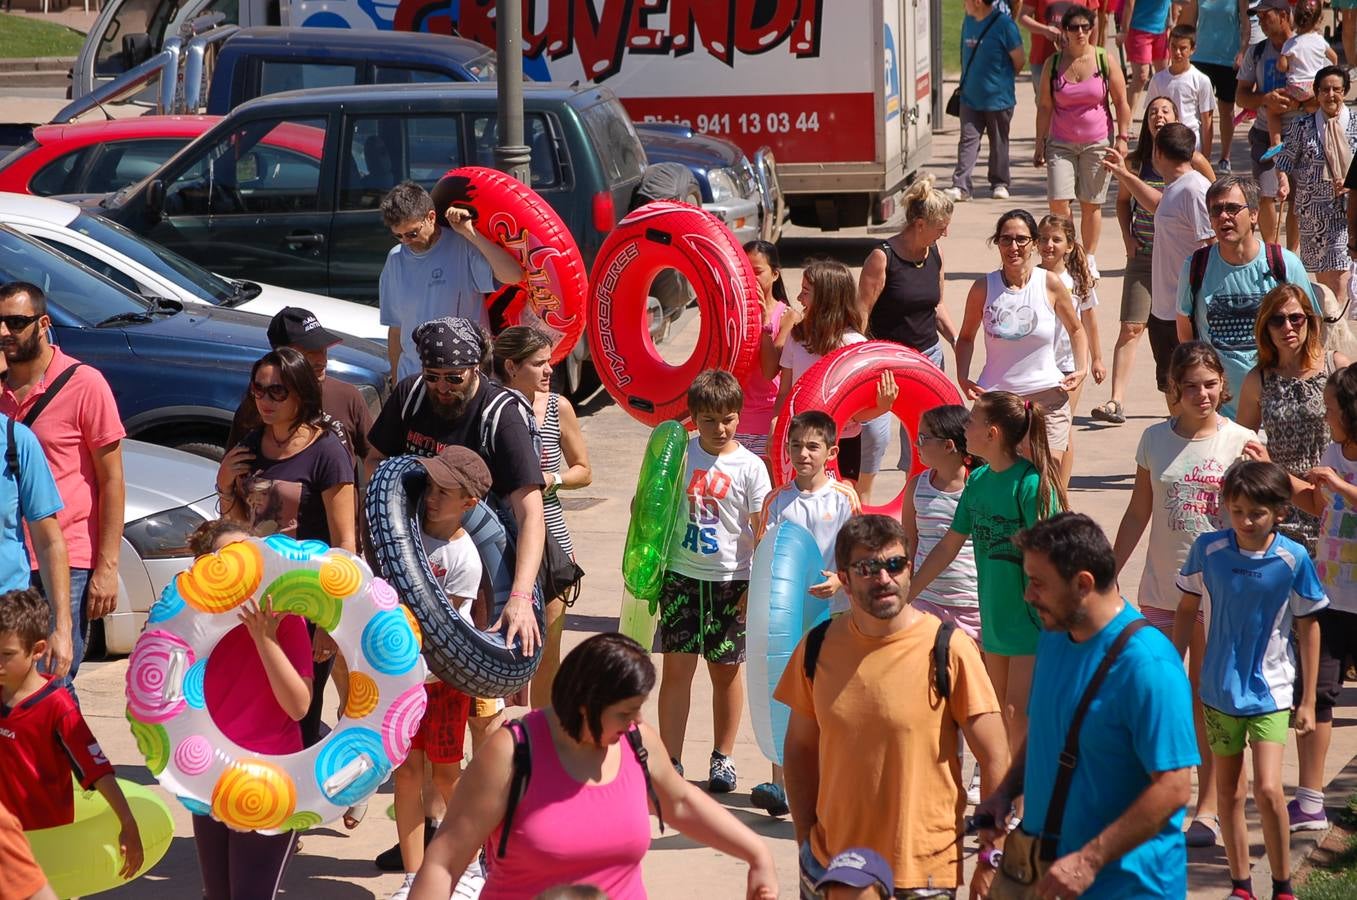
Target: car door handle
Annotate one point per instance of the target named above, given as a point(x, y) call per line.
point(304, 238)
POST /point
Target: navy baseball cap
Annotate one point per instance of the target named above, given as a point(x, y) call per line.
point(859, 867)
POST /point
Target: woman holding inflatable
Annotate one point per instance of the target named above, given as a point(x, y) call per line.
point(597, 773)
point(522, 361)
point(1019, 310)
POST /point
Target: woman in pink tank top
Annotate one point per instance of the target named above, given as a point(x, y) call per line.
point(583, 816)
point(1082, 90)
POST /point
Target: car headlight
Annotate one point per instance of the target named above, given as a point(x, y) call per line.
point(722, 183)
point(163, 535)
point(372, 397)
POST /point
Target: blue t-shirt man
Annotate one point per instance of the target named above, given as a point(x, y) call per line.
point(1140, 723)
point(38, 492)
point(1226, 307)
point(1249, 599)
point(1151, 16)
point(987, 63)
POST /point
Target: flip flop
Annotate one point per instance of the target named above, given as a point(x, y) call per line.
point(1110, 411)
point(1203, 832)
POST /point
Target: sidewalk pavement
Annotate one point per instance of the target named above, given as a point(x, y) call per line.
point(338, 863)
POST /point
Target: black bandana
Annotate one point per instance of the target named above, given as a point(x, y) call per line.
point(449, 343)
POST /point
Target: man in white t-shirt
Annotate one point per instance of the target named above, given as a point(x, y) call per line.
point(1187, 86)
point(1181, 225)
point(433, 271)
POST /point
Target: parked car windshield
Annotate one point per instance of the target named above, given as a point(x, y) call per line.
point(70, 287)
point(162, 261)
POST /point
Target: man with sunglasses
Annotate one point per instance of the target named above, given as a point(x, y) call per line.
point(871, 755)
point(1222, 306)
point(433, 271)
point(71, 410)
point(448, 402)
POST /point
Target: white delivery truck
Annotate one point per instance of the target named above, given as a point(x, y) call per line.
point(842, 92)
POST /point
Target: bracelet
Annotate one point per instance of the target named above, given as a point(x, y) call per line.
point(523, 594)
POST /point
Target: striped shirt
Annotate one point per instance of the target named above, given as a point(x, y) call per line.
point(933, 512)
point(822, 512)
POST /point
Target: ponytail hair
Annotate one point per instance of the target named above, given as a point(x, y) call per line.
point(1017, 418)
point(1076, 261)
point(922, 201)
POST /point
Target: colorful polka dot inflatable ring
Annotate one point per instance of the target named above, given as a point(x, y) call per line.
point(249, 791)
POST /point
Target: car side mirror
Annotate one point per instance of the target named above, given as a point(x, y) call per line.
point(155, 199)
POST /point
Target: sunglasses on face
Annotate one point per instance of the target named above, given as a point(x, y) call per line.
point(16, 324)
point(1079, 26)
point(275, 392)
point(1295, 320)
point(1226, 209)
point(1015, 240)
point(867, 568)
point(449, 377)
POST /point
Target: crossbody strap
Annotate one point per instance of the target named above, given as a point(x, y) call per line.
point(50, 394)
point(1069, 756)
point(12, 469)
point(994, 17)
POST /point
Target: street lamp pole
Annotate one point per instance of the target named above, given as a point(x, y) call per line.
point(511, 154)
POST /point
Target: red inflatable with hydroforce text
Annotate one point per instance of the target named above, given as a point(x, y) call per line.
point(515, 217)
point(660, 235)
point(844, 382)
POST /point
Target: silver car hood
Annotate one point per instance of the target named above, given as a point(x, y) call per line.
point(159, 478)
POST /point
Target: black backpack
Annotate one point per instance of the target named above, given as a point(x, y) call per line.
point(522, 771)
point(942, 678)
point(1201, 258)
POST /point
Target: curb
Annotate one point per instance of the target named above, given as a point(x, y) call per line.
point(36, 71)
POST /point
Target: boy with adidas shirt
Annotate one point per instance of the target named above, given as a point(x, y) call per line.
point(820, 504)
point(1254, 582)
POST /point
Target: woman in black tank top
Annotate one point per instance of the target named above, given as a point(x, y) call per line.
point(901, 284)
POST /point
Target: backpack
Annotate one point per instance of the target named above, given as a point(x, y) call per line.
point(522, 771)
point(942, 678)
point(490, 415)
point(1101, 55)
point(1201, 257)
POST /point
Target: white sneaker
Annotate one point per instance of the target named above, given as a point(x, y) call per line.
point(1093, 268)
point(1000, 192)
point(470, 884)
point(954, 194)
point(403, 892)
point(973, 792)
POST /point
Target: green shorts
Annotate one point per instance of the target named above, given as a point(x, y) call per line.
point(1225, 733)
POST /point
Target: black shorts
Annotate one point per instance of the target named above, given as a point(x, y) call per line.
point(1224, 80)
point(1163, 338)
point(1337, 647)
point(702, 618)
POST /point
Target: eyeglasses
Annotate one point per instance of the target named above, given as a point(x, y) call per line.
point(867, 568)
point(1079, 26)
point(1015, 240)
point(1227, 209)
point(449, 377)
point(15, 324)
point(275, 392)
point(924, 438)
point(1295, 320)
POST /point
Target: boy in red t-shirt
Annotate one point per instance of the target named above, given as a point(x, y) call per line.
point(43, 737)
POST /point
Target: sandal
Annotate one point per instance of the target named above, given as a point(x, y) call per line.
point(1110, 411)
point(1203, 832)
point(354, 815)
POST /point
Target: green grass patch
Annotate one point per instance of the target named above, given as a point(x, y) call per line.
point(953, 12)
point(22, 37)
point(1337, 880)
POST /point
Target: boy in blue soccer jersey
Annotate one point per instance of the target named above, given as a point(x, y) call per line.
point(1253, 581)
point(702, 598)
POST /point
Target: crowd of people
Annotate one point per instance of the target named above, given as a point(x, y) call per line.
point(1244, 488)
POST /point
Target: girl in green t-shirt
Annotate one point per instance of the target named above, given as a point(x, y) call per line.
point(1000, 499)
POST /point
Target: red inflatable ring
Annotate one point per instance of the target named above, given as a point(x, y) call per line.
point(844, 383)
point(519, 220)
point(660, 235)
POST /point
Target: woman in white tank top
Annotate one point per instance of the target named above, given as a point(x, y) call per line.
point(1019, 305)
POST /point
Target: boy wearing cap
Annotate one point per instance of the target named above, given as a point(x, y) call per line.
point(857, 873)
point(343, 406)
point(458, 480)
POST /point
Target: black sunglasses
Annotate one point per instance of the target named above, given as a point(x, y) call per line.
point(450, 377)
point(1079, 26)
point(1296, 320)
point(275, 392)
point(15, 324)
point(1227, 209)
point(867, 568)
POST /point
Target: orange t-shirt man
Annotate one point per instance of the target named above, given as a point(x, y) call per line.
point(890, 774)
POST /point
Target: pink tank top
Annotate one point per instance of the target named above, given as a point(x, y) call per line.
point(760, 393)
point(565, 832)
point(1081, 114)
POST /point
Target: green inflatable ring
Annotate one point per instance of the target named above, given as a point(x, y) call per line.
point(659, 490)
point(82, 858)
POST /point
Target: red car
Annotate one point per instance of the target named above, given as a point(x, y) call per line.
point(102, 157)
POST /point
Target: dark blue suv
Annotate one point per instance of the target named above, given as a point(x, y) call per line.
point(177, 374)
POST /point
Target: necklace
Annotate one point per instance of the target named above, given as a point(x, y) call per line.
point(916, 264)
point(1025, 276)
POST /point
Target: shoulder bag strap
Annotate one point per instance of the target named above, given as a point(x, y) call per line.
point(1069, 756)
point(994, 17)
point(643, 757)
point(522, 771)
point(12, 469)
point(814, 639)
point(50, 394)
point(942, 675)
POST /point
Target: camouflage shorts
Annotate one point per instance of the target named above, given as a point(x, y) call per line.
point(703, 618)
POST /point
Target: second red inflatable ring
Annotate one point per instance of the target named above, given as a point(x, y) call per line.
point(660, 235)
point(844, 382)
